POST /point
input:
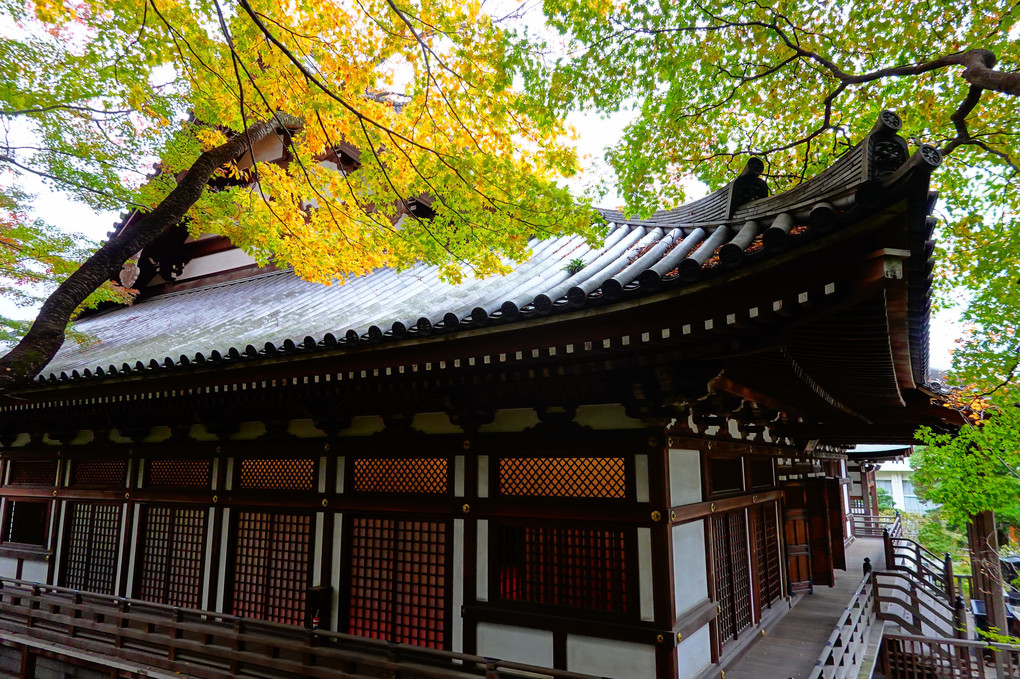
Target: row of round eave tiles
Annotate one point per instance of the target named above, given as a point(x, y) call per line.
point(478, 317)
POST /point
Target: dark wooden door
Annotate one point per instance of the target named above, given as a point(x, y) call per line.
point(819, 533)
point(796, 535)
point(834, 493)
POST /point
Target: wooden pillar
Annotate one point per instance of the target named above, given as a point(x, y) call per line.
point(984, 554)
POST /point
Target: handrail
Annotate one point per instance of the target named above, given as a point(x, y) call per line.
point(873, 525)
point(964, 586)
point(918, 656)
point(843, 653)
point(211, 645)
point(934, 612)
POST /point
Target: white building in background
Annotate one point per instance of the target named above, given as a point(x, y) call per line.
point(896, 476)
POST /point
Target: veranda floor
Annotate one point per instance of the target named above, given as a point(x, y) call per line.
point(790, 647)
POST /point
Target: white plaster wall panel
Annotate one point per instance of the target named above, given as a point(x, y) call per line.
point(610, 658)
point(200, 433)
point(482, 561)
point(317, 550)
point(61, 523)
point(214, 263)
point(483, 476)
point(435, 423)
point(646, 597)
point(133, 552)
point(207, 574)
point(364, 425)
point(124, 520)
point(8, 567)
point(684, 476)
point(608, 416)
point(224, 546)
point(641, 490)
point(510, 420)
point(694, 654)
point(690, 569)
point(457, 599)
point(849, 524)
point(520, 644)
point(34, 571)
point(158, 434)
point(458, 476)
point(338, 535)
point(305, 429)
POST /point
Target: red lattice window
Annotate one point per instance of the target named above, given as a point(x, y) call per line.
point(579, 567)
point(27, 522)
point(271, 561)
point(99, 473)
point(278, 474)
point(398, 581)
point(177, 473)
point(732, 573)
point(32, 472)
point(401, 475)
point(93, 536)
point(766, 546)
point(563, 476)
point(172, 556)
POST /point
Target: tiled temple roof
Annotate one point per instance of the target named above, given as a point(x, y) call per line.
point(276, 313)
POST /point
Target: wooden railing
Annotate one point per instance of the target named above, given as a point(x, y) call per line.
point(933, 573)
point(963, 585)
point(210, 645)
point(844, 651)
point(905, 655)
point(874, 525)
point(902, 598)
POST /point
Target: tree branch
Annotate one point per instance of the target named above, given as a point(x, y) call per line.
point(44, 339)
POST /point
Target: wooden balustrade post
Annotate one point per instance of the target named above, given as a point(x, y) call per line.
point(175, 633)
point(890, 555)
point(72, 629)
point(238, 644)
point(947, 573)
point(960, 618)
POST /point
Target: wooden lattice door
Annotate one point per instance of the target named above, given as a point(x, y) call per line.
point(93, 538)
point(768, 555)
point(797, 537)
point(172, 551)
point(272, 557)
point(398, 583)
point(732, 573)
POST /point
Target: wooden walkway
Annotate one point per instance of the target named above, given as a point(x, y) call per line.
point(791, 646)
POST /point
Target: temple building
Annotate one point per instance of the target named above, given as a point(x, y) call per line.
point(617, 461)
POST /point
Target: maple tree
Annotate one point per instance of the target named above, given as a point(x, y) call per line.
point(421, 91)
point(798, 83)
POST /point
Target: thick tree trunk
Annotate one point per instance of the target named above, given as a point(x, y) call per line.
point(45, 337)
point(983, 542)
